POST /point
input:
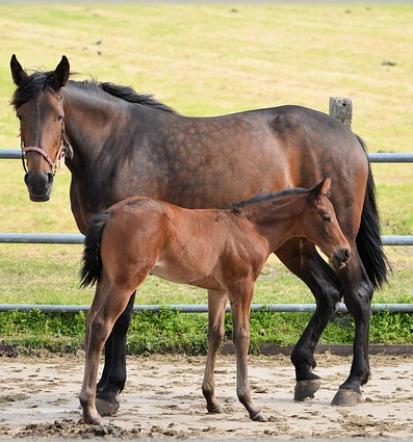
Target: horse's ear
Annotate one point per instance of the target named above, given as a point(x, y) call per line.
point(17, 72)
point(62, 72)
point(326, 187)
point(321, 189)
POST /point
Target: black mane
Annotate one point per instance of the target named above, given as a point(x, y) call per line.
point(32, 86)
point(128, 94)
point(266, 196)
point(38, 81)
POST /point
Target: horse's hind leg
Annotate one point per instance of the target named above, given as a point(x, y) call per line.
point(113, 376)
point(358, 291)
point(301, 257)
point(107, 306)
point(217, 302)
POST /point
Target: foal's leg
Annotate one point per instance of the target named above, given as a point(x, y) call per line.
point(358, 292)
point(241, 299)
point(113, 376)
point(301, 257)
point(107, 306)
point(217, 302)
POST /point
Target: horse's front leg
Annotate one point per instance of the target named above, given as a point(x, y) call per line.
point(217, 302)
point(358, 291)
point(240, 299)
point(113, 376)
point(301, 257)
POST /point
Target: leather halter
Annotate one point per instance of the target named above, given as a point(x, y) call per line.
point(52, 164)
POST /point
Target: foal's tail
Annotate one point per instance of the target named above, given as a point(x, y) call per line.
point(92, 262)
point(369, 244)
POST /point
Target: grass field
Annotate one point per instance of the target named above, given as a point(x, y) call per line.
point(206, 60)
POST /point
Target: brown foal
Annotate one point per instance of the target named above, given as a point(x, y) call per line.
point(222, 251)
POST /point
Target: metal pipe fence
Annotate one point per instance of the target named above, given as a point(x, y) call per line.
point(381, 157)
point(202, 308)
point(78, 238)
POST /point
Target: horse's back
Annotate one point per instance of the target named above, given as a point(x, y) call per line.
point(230, 158)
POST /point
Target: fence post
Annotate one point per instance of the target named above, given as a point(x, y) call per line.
point(341, 109)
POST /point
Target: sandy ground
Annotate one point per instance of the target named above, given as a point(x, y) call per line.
point(38, 398)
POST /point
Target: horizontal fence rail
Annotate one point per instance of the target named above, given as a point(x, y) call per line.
point(390, 157)
point(78, 238)
point(10, 154)
point(381, 157)
point(42, 238)
point(202, 308)
point(397, 240)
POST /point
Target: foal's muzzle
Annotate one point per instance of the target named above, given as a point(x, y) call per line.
point(39, 185)
point(340, 258)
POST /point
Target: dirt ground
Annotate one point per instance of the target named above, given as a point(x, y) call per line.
point(38, 398)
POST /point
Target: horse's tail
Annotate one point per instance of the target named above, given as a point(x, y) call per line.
point(368, 241)
point(92, 262)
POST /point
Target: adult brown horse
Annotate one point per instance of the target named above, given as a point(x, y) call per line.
point(221, 250)
point(119, 144)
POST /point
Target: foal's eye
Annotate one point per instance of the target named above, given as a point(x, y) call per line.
point(60, 118)
point(326, 217)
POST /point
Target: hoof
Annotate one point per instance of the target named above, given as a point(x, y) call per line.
point(107, 407)
point(259, 418)
point(214, 409)
point(92, 418)
point(306, 389)
point(346, 398)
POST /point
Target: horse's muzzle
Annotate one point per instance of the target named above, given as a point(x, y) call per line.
point(39, 185)
point(340, 258)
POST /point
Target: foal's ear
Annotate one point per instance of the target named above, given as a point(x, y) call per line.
point(321, 189)
point(17, 72)
point(62, 72)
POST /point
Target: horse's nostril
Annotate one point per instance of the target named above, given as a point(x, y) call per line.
point(50, 178)
point(343, 255)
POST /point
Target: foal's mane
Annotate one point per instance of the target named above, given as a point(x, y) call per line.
point(41, 80)
point(267, 196)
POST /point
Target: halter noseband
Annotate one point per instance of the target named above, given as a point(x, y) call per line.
point(52, 164)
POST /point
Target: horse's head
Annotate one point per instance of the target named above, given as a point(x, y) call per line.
point(39, 106)
point(322, 226)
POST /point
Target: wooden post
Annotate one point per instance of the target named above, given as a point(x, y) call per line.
point(341, 109)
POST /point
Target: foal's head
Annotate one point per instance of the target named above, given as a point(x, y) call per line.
point(319, 222)
point(39, 107)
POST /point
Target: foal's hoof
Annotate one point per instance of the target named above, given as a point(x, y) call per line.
point(306, 389)
point(346, 398)
point(92, 418)
point(214, 409)
point(107, 407)
point(259, 418)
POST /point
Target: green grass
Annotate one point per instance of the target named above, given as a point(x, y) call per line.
point(206, 60)
point(182, 332)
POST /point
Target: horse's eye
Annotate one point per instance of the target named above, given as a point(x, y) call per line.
point(326, 216)
point(60, 118)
